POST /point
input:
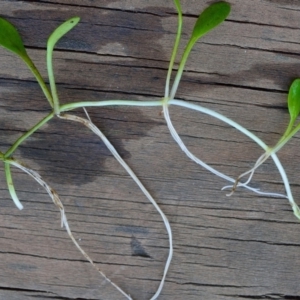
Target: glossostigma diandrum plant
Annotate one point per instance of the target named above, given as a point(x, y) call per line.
point(211, 17)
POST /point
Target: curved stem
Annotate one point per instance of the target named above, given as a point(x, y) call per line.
point(202, 163)
point(71, 106)
point(280, 168)
point(55, 36)
point(52, 80)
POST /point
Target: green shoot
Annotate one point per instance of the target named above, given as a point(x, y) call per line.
point(52, 40)
point(11, 40)
point(175, 48)
point(294, 110)
point(27, 134)
point(210, 18)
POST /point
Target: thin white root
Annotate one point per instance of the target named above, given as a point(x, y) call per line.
point(259, 162)
point(88, 123)
point(64, 222)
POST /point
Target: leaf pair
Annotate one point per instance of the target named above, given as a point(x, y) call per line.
point(12, 41)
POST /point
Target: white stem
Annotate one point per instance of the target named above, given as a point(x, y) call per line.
point(97, 131)
point(196, 159)
point(251, 136)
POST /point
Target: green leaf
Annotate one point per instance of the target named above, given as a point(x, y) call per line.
point(294, 99)
point(10, 38)
point(210, 18)
point(61, 30)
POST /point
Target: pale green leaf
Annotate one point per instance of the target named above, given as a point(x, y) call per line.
point(60, 31)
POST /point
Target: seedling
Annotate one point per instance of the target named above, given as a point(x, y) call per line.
point(210, 18)
point(10, 39)
point(291, 130)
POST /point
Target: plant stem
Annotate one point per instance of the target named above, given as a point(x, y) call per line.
point(280, 168)
point(202, 163)
point(289, 133)
point(184, 58)
point(39, 78)
point(21, 139)
point(71, 106)
point(175, 49)
point(52, 80)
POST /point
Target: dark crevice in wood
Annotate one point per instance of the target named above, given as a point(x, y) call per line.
point(253, 88)
point(260, 24)
point(266, 296)
point(218, 285)
point(15, 289)
point(255, 241)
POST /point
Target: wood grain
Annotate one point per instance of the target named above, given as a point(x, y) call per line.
point(240, 247)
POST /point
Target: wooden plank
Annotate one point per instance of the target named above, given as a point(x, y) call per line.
point(240, 247)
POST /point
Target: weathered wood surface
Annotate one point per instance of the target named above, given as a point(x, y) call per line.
point(242, 247)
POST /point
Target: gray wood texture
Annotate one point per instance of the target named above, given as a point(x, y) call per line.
point(240, 247)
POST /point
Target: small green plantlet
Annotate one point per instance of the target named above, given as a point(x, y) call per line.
point(12, 41)
point(292, 128)
point(210, 18)
point(56, 35)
